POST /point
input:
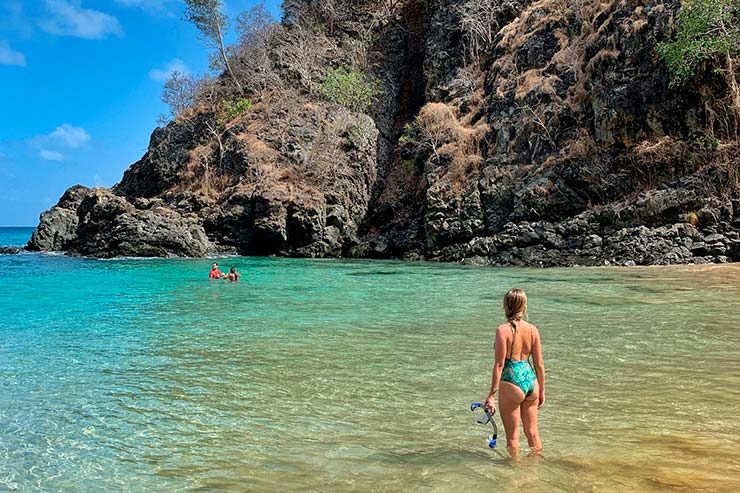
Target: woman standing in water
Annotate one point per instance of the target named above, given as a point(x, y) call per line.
point(521, 388)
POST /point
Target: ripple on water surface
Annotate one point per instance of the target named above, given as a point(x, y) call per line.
point(356, 376)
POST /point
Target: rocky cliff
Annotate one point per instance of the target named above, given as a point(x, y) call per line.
point(503, 132)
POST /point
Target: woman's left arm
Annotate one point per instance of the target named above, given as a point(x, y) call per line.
point(499, 356)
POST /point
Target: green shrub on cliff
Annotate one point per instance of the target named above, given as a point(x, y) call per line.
point(357, 135)
point(350, 88)
point(233, 109)
point(408, 134)
point(706, 30)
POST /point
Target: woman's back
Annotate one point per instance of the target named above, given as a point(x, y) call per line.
point(520, 341)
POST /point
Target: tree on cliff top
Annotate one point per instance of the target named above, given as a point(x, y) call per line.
point(253, 65)
point(291, 11)
point(206, 15)
point(707, 31)
point(254, 25)
point(179, 93)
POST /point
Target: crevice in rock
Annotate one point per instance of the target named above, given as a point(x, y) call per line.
point(403, 53)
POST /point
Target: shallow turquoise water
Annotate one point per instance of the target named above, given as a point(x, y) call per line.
point(312, 375)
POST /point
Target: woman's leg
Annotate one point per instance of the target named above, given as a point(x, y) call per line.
point(529, 419)
point(509, 399)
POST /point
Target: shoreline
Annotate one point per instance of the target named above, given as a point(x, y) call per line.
point(466, 262)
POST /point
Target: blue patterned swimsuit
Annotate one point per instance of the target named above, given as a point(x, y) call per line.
point(519, 372)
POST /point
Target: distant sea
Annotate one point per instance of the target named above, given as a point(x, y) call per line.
point(15, 236)
point(344, 376)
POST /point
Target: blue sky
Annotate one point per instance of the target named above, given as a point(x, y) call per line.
point(80, 82)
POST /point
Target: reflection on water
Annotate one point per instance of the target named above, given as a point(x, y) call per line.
point(355, 376)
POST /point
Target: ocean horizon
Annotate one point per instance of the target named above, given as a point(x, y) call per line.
point(15, 236)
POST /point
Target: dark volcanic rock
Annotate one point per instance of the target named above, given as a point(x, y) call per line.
point(557, 141)
point(110, 226)
point(162, 166)
point(4, 250)
point(99, 223)
point(588, 159)
point(57, 228)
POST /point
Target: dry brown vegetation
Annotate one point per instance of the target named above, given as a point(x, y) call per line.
point(578, 31)
point(288, 149)
point(479, 23)
point(201, 174)
point(533, 81)
point(725, 159)
point(583, 146)
point(451, 139)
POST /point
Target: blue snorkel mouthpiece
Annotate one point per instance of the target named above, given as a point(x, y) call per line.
point(483, 417)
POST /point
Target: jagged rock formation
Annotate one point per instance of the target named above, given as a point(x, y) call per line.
point(545, 134)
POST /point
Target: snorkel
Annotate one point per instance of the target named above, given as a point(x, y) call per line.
point(483, 417)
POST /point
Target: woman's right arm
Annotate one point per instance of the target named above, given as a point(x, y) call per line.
point(539, 366)
point(499, 356)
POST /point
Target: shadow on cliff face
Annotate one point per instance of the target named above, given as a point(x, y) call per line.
point(400, 53)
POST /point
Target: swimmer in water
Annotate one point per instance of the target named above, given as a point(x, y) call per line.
point(521, 388)
point(233, 275)
point(216, 272)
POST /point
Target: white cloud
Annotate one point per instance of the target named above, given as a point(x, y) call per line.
point(69, 19)
point(48, 155)
point(70, 136)
point(175, 65)
point(8, 56)
point(52, 146)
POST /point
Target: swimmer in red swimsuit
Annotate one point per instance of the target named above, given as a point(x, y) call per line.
point(215, 272)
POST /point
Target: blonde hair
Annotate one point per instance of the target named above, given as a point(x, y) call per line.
point(515, 306)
